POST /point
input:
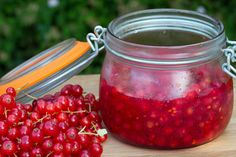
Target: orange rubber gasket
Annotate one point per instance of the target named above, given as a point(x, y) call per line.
point(51, 68)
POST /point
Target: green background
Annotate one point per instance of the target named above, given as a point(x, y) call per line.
point(28, 27)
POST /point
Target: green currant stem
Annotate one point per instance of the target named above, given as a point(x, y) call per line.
point(40, 120)
point(49, 154)
point(82, 130)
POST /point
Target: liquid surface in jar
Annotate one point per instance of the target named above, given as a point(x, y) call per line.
point(165, 38)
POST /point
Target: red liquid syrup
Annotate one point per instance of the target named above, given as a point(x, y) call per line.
point(161, 121)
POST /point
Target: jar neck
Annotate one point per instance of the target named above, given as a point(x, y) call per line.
point(165, 19)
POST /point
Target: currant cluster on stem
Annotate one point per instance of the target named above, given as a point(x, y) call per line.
point(64, 124)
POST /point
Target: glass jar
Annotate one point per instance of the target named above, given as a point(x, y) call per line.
point(171, 95)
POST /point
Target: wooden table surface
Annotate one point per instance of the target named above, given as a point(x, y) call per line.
point(223, 146)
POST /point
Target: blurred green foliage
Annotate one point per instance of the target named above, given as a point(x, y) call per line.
point(28, 27)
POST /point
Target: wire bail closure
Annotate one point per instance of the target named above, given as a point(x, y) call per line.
point(229, 52)
point(96, 39)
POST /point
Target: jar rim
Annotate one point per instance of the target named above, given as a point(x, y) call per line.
point(182, 11)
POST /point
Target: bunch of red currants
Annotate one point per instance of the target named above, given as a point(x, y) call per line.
point(60, 125)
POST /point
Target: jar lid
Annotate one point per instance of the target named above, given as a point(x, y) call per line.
point(48, 69)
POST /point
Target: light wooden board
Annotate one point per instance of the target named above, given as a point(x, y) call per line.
point(223, 146)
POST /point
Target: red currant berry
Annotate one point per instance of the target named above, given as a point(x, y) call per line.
point(85, 153)
point(67, 90)
point(47, 145)
point(84, 140)
point(11, 91)
point(28, 107)
point(36, 152)
point(12, 119)
point(77, 90)
point(85, 121)
point(37, 135)
point(58, 148)
point(8, 148)
point(62, 117)
point(3, 128)
point(64, 102)
point(50, 108)
point(25, 143)
point(24, 154)
point(7, 101)
point(68, 148)
point(13, 133)
point(96, 150)
point(71, 134)
point(41, 106)
point(63, 126)
point(50, 128)
point(73, 120)
point(76, 147)
point(25, 130)
point(60, 138)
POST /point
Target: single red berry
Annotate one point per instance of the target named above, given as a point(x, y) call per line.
point(16, 112)
point(11, 91)
point(60, 138)
point(25, 143)
point(68, 148)
point(62, 117)
point(73, 120)
point(67, 90)
point(23, 115)
point(12, 119)
point(96, 150)
point(24, 154)
point(50, 128)
point(95, 139)
point(13, 133)
point(36, 152)
point(63, 101)
point(84, 140)
point(85, 153)
point(71, 105)
point(76, 147)
point(77, 90)
point(8, 148)
point(41, 106)
point(25, 130)
point(102, 138)
point(94, 116)
point(63, 126)
point(58, 106)
point(19, 106)
point(37, 135)
point(8, 101)
point(3, 128)
point(50, 108)
point(85, 121)
point(58, 148)
point(71, 134)
point(28, 107)
point(48, 97)
point(47, 145)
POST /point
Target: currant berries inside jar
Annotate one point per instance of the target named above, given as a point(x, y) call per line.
point(163, 86)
